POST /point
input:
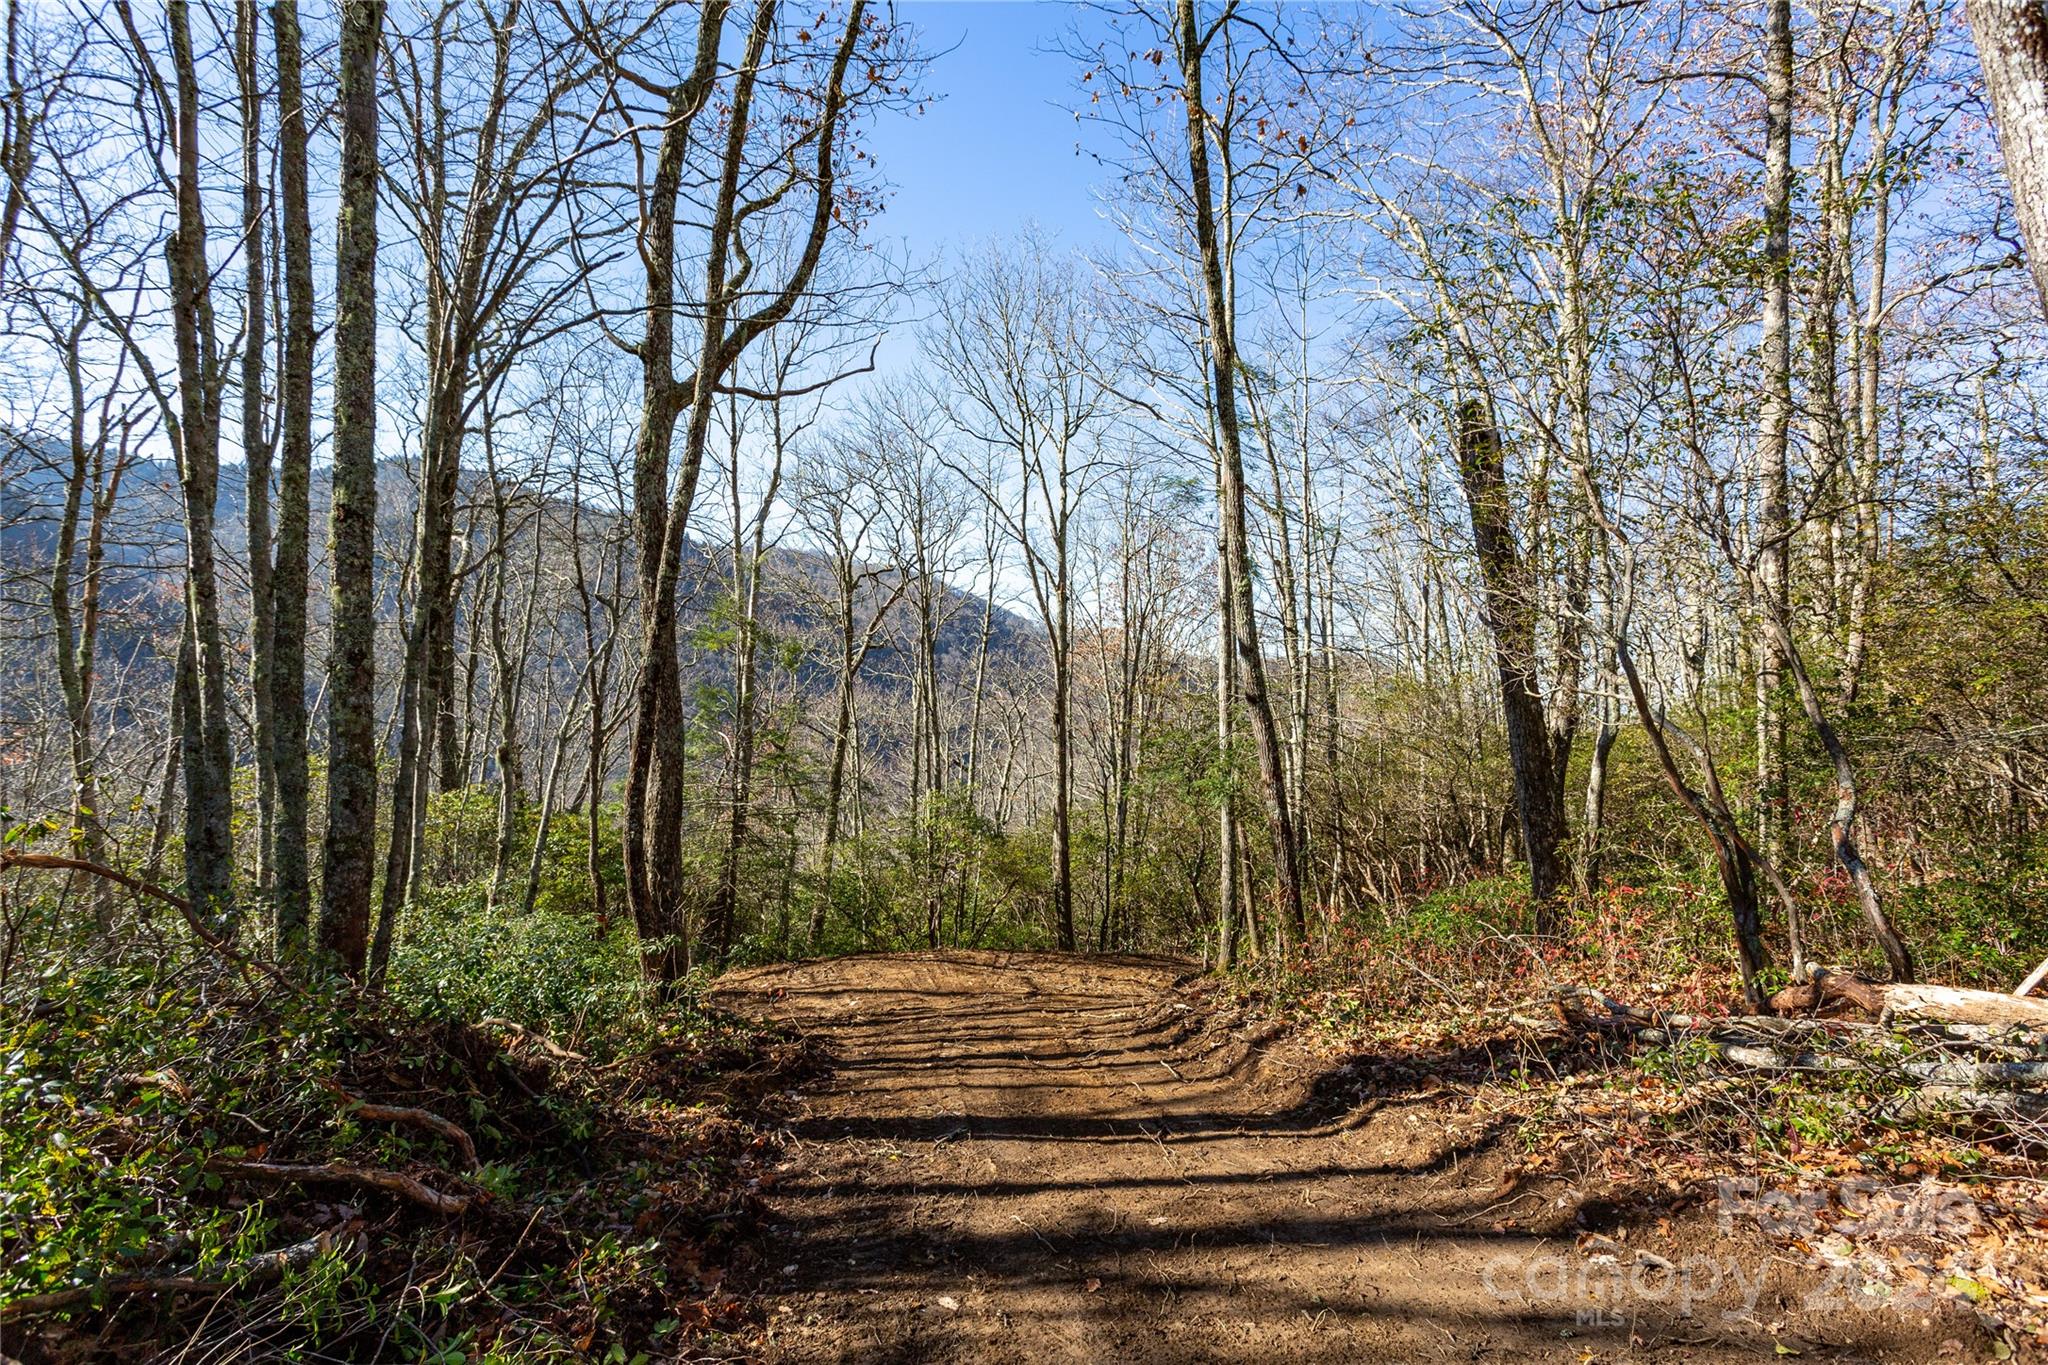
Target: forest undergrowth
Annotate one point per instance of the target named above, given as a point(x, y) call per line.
point(1841, 1159)
point(202, 1164)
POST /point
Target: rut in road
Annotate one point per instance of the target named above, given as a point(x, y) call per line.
point(1037, 1157)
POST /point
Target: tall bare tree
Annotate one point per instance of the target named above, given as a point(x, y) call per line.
point(1023, 358)
point(1192, 39)
point(735, 309)
point(291, 882)
point(485, 198)
point(840, 512)
point(1510, 604)
point(102, 423)
point(193, 424)
point(348, 859)
point(256, 436)
point(1774, 520)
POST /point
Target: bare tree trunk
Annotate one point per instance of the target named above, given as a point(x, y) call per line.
point(593, 833)
point(835, 787)
point(510, 651)
point(1867, 357)
point(76, 633)
point(1333, 734)
point(854, 647)
point(544, 817)
point(209, 764)
point(174, 752)
point(450, 740)
point(1820, 344)
point(1510, 612)
point(665, 702)
point(1586, 868)
point(1842, 823)
point(988, 614)
point(18, 130)
point(1287, 575)
point(653, 814)
point(509, 656)
point(348, 861)
point(1190, 49)
point(256, 449)
point(927, 775)
point(2012, 47)
point(291, 889)
point(511, 779)
point(1774, 529)
point(1226, 744)
point(480, 241)
point(1732, 857)
point(1063, 744)
point(749, 553)
point(599, 673)
point(427, 670)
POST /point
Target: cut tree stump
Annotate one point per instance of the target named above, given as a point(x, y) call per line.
point(1824, 987)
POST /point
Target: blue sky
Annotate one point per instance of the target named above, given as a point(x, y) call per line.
point(996, 149)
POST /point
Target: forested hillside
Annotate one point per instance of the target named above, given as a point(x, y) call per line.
point(500, 527)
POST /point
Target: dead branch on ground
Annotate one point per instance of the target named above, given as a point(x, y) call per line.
point(346, 1173)
point(418, 1118)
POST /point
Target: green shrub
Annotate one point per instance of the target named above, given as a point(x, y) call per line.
point(548, 971)
point(1455, 915)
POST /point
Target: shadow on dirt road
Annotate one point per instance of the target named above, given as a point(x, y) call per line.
point(1028, 1157)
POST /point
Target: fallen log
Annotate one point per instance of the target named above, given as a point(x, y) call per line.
point(1935, 1101)
point(1954, 1005)
point(1903, 1002)
point(1770, 1026)
point(1771, 1059)
point(346, 1173)
point(1955, 1053)
point(2010, 1028)
point(1933, 1076)
point(2002, 1075)
point(1999, 1042)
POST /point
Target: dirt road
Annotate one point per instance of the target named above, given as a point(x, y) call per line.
point(1032, 1157)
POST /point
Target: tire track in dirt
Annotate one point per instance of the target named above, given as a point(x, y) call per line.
point(1027, 1157)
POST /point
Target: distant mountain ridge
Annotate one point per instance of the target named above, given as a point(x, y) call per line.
point(145, 556)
